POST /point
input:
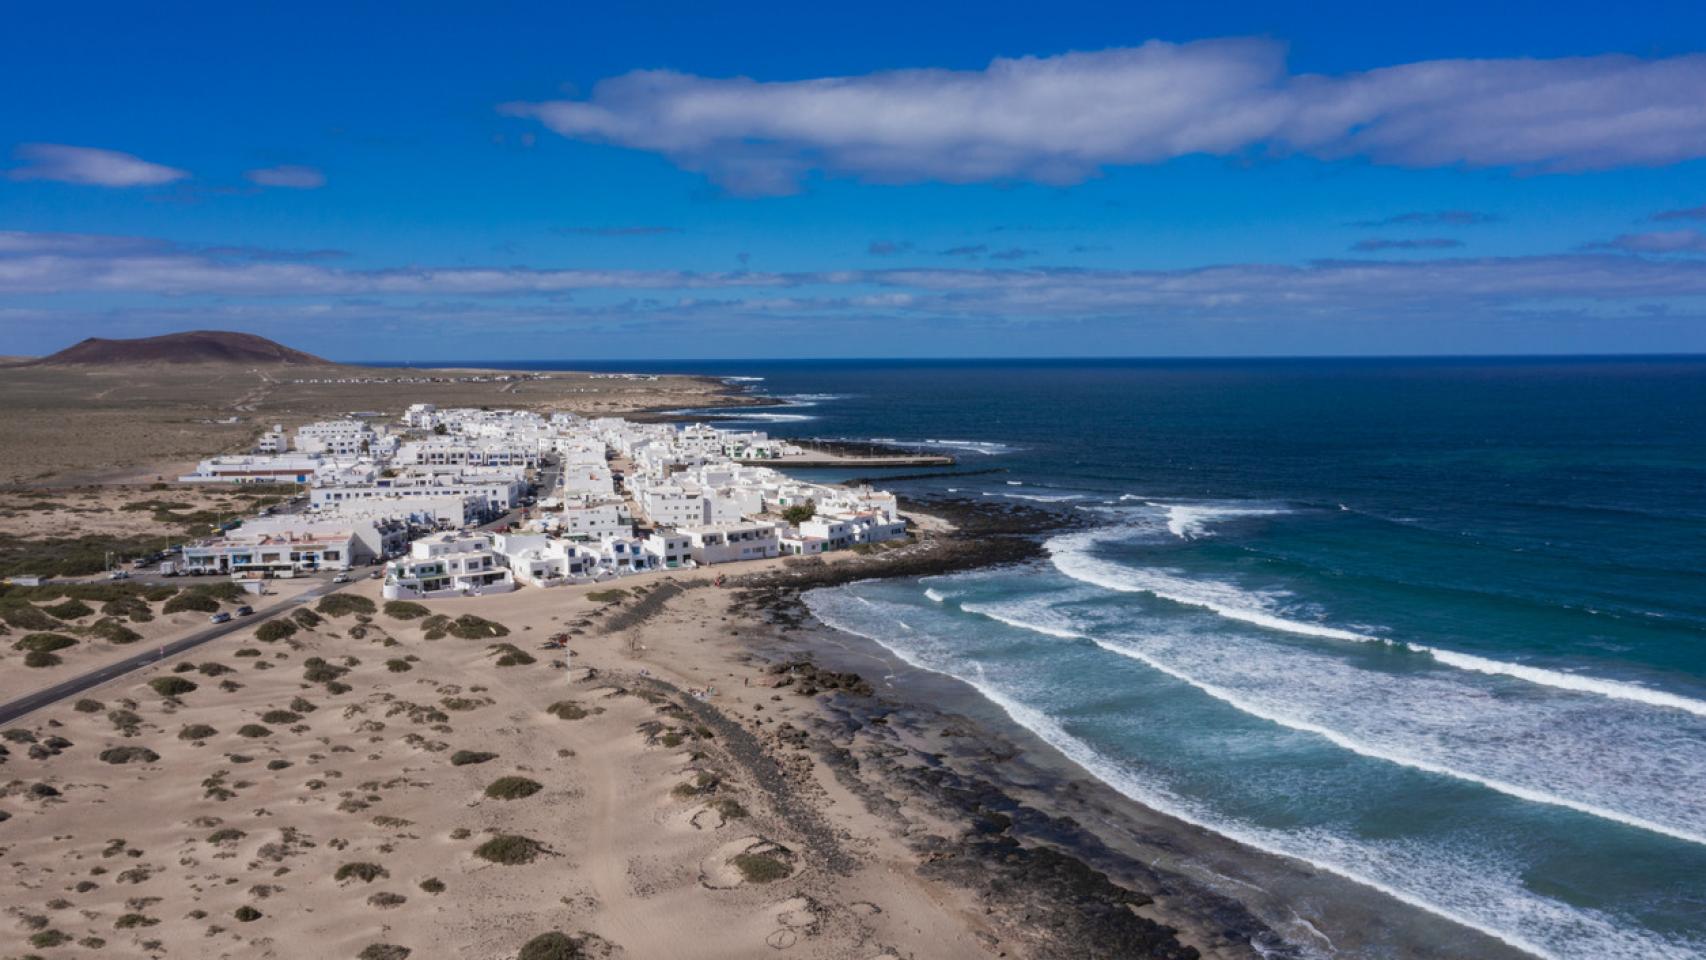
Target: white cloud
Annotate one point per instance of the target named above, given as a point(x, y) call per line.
point(288, 175)
point(1061, 119)
point(1658, 241)
point(89, 165)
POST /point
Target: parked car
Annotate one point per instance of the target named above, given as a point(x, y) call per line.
point(118, 575)
point(376, 575)
point(245, 610)
point(341, 578)
point(220, 617)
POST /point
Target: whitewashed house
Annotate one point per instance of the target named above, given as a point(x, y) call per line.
point(447, 565)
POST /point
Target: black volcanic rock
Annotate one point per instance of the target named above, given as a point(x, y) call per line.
point(197, 346)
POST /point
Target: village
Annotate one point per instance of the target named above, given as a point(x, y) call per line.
point(468, 502)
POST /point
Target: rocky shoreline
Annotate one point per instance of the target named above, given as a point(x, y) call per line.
point(1045, 880)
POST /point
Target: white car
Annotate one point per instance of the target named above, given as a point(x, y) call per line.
point(341, 578)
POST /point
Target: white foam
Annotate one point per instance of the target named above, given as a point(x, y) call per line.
point(1395, 697)
point(1469, 890)
point(934, 595)
point(1188, 521)
point(1071, 555)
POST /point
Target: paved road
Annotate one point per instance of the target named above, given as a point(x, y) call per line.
point(30, 703)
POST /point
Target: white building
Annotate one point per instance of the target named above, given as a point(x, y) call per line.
point(273, 554)
point(447, 565)
point(338, 438)
point(293, 468)
point(728, 542)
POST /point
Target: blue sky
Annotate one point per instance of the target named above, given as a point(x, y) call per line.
point(880, 180)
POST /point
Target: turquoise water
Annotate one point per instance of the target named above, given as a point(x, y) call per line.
point(1437, 626)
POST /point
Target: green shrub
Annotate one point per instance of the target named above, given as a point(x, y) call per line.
point(405, 610)
point(365, 872)
point(513, 788)
point(131, 921)
point(38, 659)
point(306, 618)
point(171, 686)
point(191, 602)
point(568, 710)
point(398, 666)
point(470, 627)
point(72, 609)
point(275, 630)
point(253, 731)
point(317, 670)
point(112, 631)
point(607, 596)
point(87, 705)
point(510, 655)
point(128, 755)
point(383, 951)
point(730, 808)
point(553, 946)
point(25, 616)
point(432, 885)
point(510, 850)
point(463, 758)
point(225, 835)
point(280, 717)
point(760, 868)
point(44, 643)
point(197, 731)
point(344, 604)
point(134, 609)
point(247, 914)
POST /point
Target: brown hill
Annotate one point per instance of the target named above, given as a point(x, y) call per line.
point(196, 346)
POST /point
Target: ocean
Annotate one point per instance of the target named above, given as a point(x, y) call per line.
point(1437, 626)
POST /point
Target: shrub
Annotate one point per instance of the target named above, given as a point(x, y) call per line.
point(553, 946)
point(36, 658)
point(302, 705)
point(87, 705)
point(385, 900)
point(281, 717)
point(470, 627)
point(398, 666)
point(730, 808)
point(253, 731)
point(44, 643)
point(509, 850)
point(113, 631)
point(27, 617)
point(316, 670)
point(275, 630)
point(128, 755)
point(225, 835)
point(247, 914)
point(365, 872)
point(510, 655)
point(344, 604)
point(72, 609)
point(405, 610)
point(131, 921)
point(568, 710)
point(463, 758)
point(513, 788)
point(306, 618)
point(191, 602)
point(383, 951)
point(197, 731)
point(432, 885)
point(607, 596)
point(760, 868)
point(213, 668)
point(171, 686)
point(48, 939)
point(134, 609)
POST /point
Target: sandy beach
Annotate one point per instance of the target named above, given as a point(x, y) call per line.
point(713, 775)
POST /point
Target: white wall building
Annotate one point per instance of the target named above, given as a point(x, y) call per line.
point(447, 565)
